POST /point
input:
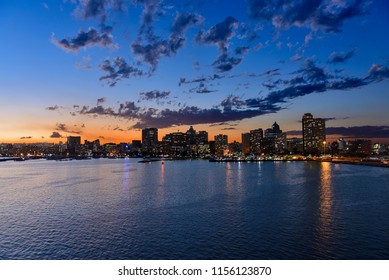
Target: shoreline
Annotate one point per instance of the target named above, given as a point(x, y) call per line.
point(351, 161)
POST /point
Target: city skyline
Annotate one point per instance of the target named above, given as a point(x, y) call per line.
point(107, 69)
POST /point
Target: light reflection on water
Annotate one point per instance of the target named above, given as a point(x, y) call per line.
point(121, 209)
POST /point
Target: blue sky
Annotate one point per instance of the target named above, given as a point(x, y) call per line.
point(107, 68)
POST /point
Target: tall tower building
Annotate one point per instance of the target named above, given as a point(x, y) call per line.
point(314, 134)
point(150, 140)
point(245, 144)
point(256, 137)
point(73, 144)
point(221, 143)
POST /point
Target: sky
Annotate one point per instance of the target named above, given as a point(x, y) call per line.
point(105, 69)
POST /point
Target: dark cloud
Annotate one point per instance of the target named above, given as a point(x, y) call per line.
point(97, 9)
point(63, 127)
point(191, 115)
point(56, 134)
point(118, 69)
point(154, 94)
point(86, 39)
point(101, 100)
point(98, 110)
point(25, 137)
point(53, 108)
point(309, 79)
point(201, 88)
point(224, 63)
point(232, 103)
point(378, 72)
point(220, 35)
point(228, 128)
point(231, 109)
point(328, 15)
point(150, 48)
point(181, 23)
point(340, 57)
point(360, 131)
point(354, 131)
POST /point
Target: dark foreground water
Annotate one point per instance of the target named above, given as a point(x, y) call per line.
point(122, 209)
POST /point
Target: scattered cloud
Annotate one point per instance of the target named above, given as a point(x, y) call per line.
point(154, 94)
point(150, 48)
point(220, 35)
point(336, 57)
point(118, 69)
point(53, 108)
point(101, 100)
point(86, 39)
point(326, 15)
point(56, 134)
point(63, 127)
point(366, 131)
point(97, 9)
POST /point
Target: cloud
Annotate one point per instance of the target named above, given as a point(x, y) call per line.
point(86, 39)
point(154, 94)
point(228, 128)
point(340, 57)
point(25, 137)
point(231, 109)
point(150, 48)
point(63, 127)
point(101, 100)
point(366, 131)
point(311, 79)
point(224, 63)
point(201, 88)
point(360, 131)
point(327, 15)
point(53, 108)
point(378, 72)
point(97, 9)
point(56, 134)
point(118, 69)
point(220, 35)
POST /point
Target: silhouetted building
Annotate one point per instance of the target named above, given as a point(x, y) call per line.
point(136, 146)
point(73, 145)
point(245, 144)
point(314, 134)
point(202, 137)
point(150, 140)
point(359, 147)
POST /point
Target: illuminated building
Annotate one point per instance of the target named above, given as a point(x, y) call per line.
point(314, 134)
point(256, 137)
point(150, 140)
point(221, 144)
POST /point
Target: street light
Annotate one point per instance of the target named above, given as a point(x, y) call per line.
point(324, 148)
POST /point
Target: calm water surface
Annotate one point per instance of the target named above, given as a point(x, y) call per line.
point(122, 209)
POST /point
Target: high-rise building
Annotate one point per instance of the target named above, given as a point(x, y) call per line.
point(245, 144)
point(73, 145)
point(221, 143)
point(150, 140)
point(202, 137)
point(314, 134)
point(256, 136)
